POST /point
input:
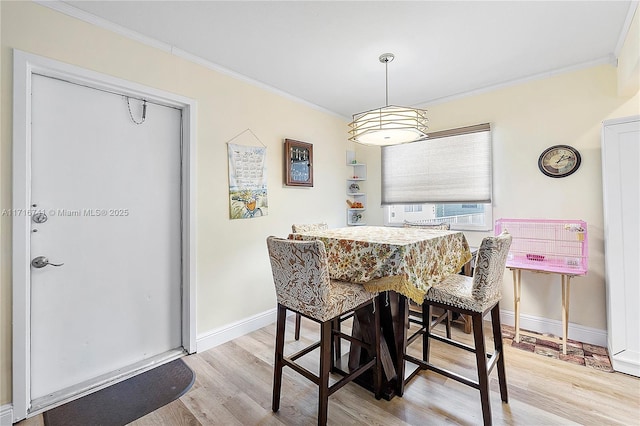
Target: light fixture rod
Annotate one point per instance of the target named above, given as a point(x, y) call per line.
point(386, 83)
point(385, 58)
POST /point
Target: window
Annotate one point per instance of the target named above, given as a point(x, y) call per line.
point(446, 178)
point(459, 216)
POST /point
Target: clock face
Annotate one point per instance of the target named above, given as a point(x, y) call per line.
point(559, 161)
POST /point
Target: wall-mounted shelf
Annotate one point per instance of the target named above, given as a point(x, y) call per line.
point(357, 198)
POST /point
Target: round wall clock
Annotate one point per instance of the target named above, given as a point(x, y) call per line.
point(559, 161)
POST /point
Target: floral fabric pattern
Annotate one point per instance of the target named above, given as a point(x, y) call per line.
point(301, 277)
point(306, 227)
point(483, 290)
point(406, 260)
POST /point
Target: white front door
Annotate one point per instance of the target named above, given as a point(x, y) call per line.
point(106, 207)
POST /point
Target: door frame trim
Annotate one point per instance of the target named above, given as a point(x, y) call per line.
point(24, 66)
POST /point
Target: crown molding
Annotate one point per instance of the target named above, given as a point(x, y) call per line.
point(608, 60)
point(73, 12)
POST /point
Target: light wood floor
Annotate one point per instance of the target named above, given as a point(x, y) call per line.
point(233, 387)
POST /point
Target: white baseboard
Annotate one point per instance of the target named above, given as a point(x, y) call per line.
point(204, 341)
point(234, 330)
point(6, 415)
point(577, 332)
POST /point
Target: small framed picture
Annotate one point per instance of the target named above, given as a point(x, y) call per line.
point(298, 163)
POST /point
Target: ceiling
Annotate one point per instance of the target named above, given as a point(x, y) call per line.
point(326, 52)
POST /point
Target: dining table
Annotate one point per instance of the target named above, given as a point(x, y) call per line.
point(398, 264)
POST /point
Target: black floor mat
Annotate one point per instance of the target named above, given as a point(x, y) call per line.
point(126, 401)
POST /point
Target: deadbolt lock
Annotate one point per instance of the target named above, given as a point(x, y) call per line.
point(40, 217)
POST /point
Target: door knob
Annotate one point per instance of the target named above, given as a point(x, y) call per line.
point(42, 261)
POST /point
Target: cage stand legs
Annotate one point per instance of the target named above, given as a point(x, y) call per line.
point(517, 293)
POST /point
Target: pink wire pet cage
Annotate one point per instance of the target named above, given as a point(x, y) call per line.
point(559, 246)
point(550, 246)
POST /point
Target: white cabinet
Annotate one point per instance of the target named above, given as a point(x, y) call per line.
point(357, 198)
point(621, 200)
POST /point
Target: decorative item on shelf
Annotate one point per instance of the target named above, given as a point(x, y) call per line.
point(298, 163)
point(357, 199)
point(559, 161)
point(389, 125)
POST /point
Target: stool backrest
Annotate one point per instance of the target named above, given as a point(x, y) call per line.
point(300, 274)
point(306, 227)
point(489, 269)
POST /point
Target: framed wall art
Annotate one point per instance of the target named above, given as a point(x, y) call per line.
point(298, 163)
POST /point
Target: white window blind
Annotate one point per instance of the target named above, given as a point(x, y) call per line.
point(452, 166)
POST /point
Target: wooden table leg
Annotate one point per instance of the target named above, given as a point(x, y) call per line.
point(467, 323)
point(363, 326)
point(355, 351)
point(401, 340)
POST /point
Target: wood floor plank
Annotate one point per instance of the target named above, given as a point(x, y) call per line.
point(174, 413)
point(201, 404)
point(234, 383)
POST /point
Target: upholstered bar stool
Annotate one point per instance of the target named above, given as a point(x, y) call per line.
point(305, 227)
point(474, 296)
point(301, 278)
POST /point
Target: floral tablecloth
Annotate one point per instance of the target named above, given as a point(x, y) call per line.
point(405, 260)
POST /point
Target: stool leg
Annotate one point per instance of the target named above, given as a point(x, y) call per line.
point(278, 364)
point(426, 313)
point(497, 341)
point(448, 324)
point(337, 341)
point(297, 329)
point(325, 367)
point(481, 362)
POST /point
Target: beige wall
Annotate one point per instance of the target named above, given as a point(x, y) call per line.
point(233, 274)
point(629, 60)
point(563, 109)
point(527, 118)
point(233, 278)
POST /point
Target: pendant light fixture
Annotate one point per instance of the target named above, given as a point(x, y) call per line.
point(389, 125)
